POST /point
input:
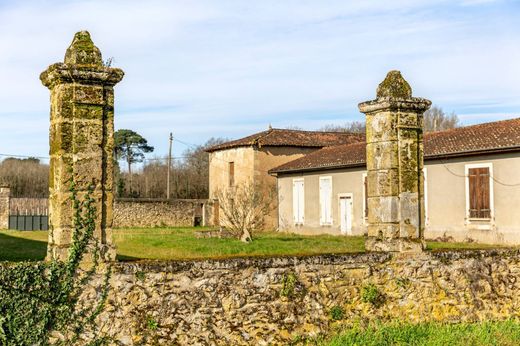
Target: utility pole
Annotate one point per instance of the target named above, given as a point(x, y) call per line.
point(169, 167)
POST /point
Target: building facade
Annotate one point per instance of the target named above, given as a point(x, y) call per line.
point(249, 159)
point(472, 187)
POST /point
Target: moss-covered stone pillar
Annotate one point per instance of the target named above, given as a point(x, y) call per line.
point(81, 142)
point(394, 134)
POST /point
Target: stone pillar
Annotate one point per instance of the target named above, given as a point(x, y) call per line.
point(394, 136)
point(81, 142)
point(5, 196)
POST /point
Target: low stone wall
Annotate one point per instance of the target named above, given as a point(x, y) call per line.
point(270, 301)
point(160, 212)
point(127, 212)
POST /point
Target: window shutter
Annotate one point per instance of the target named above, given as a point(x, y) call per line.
point(298, 202)
point(484, 198)
point(295, 202)
point(366, 195)
point(479, 196)
point(325, 201)
point(301, 203)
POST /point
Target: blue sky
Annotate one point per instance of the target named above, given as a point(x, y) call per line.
point(206, 69)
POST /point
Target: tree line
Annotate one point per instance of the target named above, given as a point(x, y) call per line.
point(29, 177)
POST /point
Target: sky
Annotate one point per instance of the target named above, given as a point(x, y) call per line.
point(206, 68)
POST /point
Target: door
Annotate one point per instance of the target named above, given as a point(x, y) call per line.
point(345, 208)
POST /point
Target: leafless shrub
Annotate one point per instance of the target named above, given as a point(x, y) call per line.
point(245, 207)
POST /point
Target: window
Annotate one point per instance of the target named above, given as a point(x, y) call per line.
point(365, 196)
point(325, 200)
point(298, 201)
point(479, 191)
point(425, 194)
point(231, 174)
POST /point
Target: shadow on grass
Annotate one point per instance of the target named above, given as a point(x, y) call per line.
point(17, 249)
point(21, 249)
point(124, 258)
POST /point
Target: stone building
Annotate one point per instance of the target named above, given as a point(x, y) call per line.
point(471, 186)
point(250, 158)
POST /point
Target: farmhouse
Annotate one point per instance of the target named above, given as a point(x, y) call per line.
point(471, 186)
point(250, 158)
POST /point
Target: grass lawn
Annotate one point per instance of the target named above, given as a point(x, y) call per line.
point(180, 243)
point(429, 334)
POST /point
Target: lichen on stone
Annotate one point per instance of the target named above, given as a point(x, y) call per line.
point(82, 51)
point(394, 86)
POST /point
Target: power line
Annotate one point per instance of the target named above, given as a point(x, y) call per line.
point(26, 156)
point(444, 164)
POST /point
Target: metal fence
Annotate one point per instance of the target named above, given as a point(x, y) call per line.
point(29, 214)
point(29, 222)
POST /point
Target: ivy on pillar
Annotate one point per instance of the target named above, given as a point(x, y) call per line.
point(395, 181)
point(81, 143)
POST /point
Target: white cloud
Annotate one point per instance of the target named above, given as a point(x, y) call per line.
point(227, 68)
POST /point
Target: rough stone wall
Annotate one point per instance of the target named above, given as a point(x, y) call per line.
point(240, 301)
point(163, 213)
point(395, 181)
point(4, 206)
point(81, 142)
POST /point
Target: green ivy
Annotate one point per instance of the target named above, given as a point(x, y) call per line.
point(371, 294)
point(337, 313)
point(288, 285)
point(37, 298)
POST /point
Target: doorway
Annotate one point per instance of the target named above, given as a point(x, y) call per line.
point(345, 210)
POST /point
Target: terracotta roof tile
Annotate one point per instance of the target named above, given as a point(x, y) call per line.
point(463, 141)
point(293, 138)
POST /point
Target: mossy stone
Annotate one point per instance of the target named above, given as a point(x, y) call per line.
point(394, 86)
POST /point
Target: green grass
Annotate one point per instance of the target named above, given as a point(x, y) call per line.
point(180, 243)
point(503, 333)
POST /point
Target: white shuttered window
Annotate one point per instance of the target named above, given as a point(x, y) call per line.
point(298, 201)
point(325, 200)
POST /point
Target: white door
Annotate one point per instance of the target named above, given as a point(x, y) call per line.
point(345, 208)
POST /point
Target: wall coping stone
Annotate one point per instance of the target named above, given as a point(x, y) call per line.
point(359, 259)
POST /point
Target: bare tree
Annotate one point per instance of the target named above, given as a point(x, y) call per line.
point(352, 126)
point(189, 175)
point(26, 177)
point(245, 207)
point(436, 120)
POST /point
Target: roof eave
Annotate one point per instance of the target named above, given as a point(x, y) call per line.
point(429, 157)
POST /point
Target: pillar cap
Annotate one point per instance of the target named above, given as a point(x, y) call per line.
point(82, 52)
point(394, 85)
point(82, 64)
point(394, 93)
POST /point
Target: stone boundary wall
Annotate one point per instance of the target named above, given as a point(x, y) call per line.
point(161, 212)
point(127, 212)
point(242, 301)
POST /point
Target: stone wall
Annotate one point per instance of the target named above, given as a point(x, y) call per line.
point(4, 206)
point(274, 300)
point(127, 212)
point(161, 212)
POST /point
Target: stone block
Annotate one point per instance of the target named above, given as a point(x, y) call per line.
point(89, 112)
point(384, 230)
point(383, 183)
point(61, 137)
point(383, 210)
point(88, 137)
point(382, 155)
point(381, 127)
point(409, 120)
point(89, 94)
